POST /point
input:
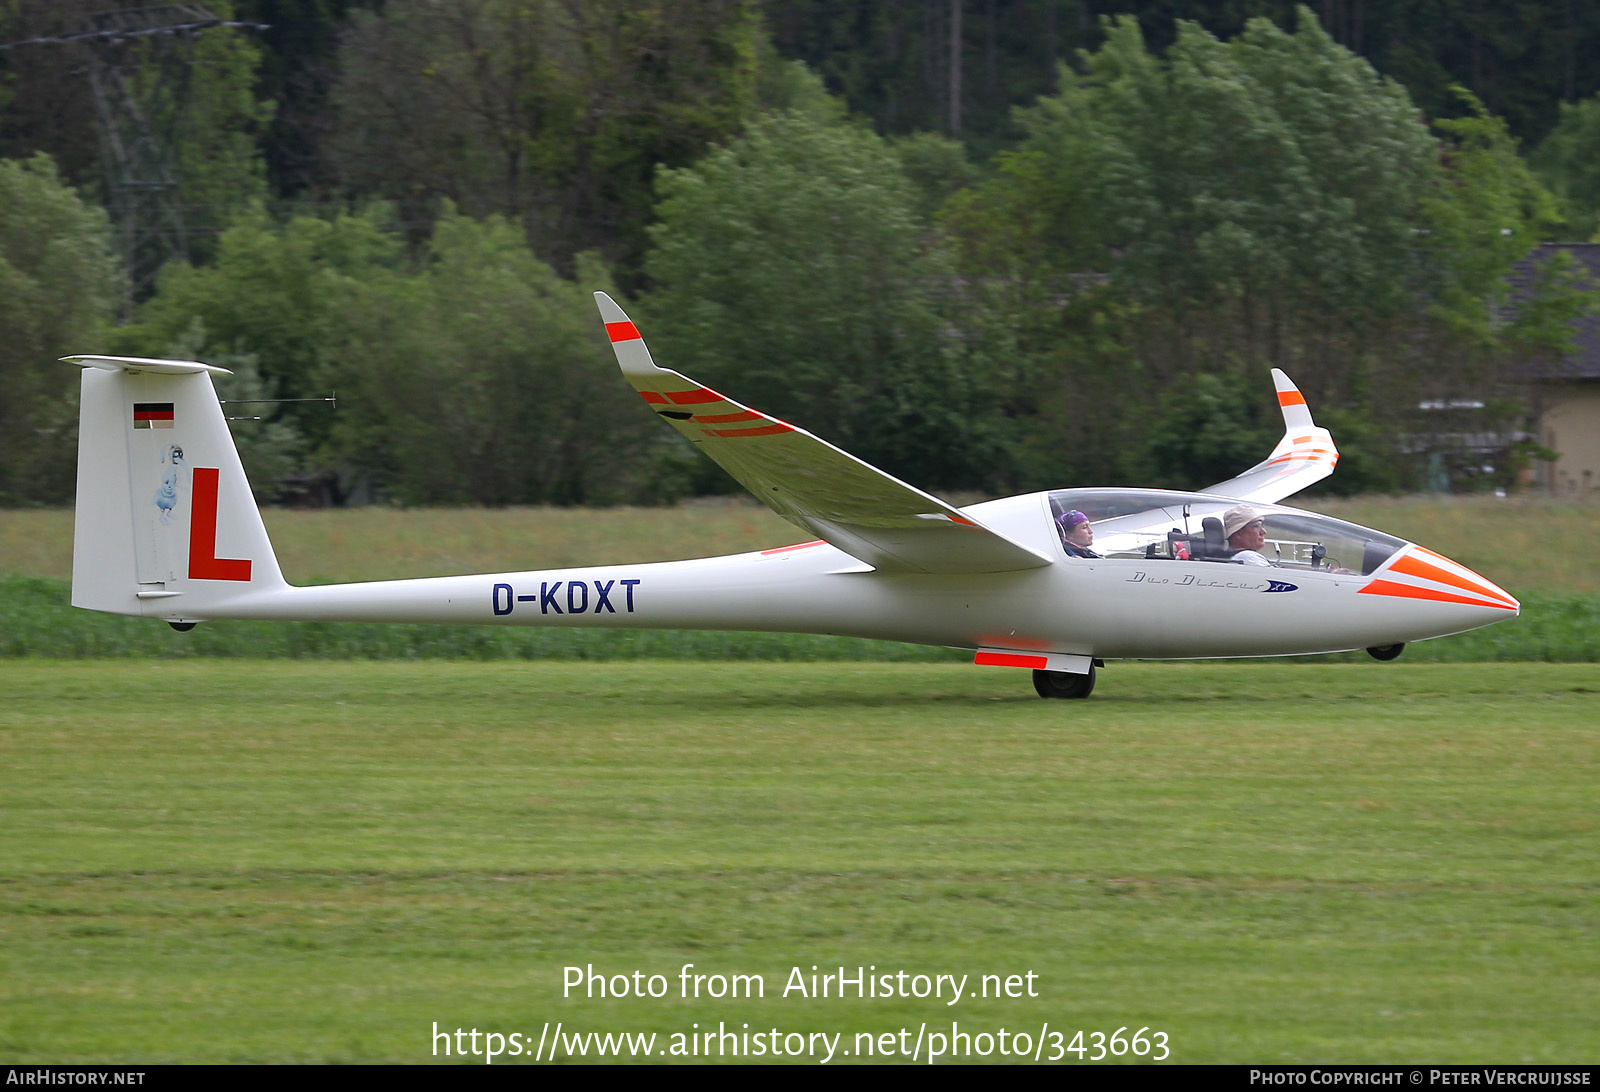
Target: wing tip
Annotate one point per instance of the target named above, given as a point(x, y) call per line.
point(610, 310)
point(1296, 413)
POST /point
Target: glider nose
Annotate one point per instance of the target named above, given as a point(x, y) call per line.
point(1419, 573)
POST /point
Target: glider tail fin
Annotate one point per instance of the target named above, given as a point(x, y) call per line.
point(166, 526)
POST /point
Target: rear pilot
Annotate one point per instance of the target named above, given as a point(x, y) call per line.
point(1077, 535)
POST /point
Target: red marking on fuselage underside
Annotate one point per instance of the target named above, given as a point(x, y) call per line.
point(1412, 591)
point(204, 564)
point(728, 418)
point(1009, 659)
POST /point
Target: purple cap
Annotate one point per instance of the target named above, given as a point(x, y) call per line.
point(1069, 520)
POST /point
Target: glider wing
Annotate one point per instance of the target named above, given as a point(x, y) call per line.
point(1305, 455)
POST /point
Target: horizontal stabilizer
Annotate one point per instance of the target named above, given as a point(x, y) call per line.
point(136, 364)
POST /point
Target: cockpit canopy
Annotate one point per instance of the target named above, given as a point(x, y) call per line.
point(1155, 523)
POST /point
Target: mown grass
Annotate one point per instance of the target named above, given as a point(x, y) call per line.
point(269, 861)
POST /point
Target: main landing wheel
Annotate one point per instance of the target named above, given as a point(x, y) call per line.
point(1386, 652)
point(1063, 684)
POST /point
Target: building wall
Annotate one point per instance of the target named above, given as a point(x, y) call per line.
point(1570, 425)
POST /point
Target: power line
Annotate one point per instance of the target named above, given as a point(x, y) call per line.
point(138, 164)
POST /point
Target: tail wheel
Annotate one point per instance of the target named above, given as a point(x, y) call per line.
point(1386, 652)
point(1063, 684)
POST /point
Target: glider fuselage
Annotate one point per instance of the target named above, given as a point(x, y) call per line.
point(1109, 608)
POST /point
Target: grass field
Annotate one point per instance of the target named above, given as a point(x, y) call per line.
point(208, 856)
point(278, 861)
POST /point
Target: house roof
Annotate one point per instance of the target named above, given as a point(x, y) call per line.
point(1584, 361)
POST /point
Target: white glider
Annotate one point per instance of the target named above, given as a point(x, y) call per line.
point(166, 528)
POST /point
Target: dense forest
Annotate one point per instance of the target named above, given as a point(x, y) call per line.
point(987, 245)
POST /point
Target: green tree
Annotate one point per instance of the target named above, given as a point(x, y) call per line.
point(794, 273)
point(1212, 427)
point(276, 294)
point(60, 283)
point(270, 447)
point(1568, 163)
point(211, 126)
point(555, 115)
point(1486, 214)
point(1487, 210)
point(1230, 207)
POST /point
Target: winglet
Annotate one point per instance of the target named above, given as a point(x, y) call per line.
point(632, 355)
point(1296, 414)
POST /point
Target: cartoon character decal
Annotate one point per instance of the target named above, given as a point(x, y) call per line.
point(166, 497)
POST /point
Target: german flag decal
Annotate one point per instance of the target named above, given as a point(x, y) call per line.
point(152, 415)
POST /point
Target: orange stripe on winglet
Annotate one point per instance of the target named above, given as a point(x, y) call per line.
point(622, 331)
point(1412, 591)
point(1291, 398)
point(769, 430)
point(1009, 659)
point(1412, 565)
